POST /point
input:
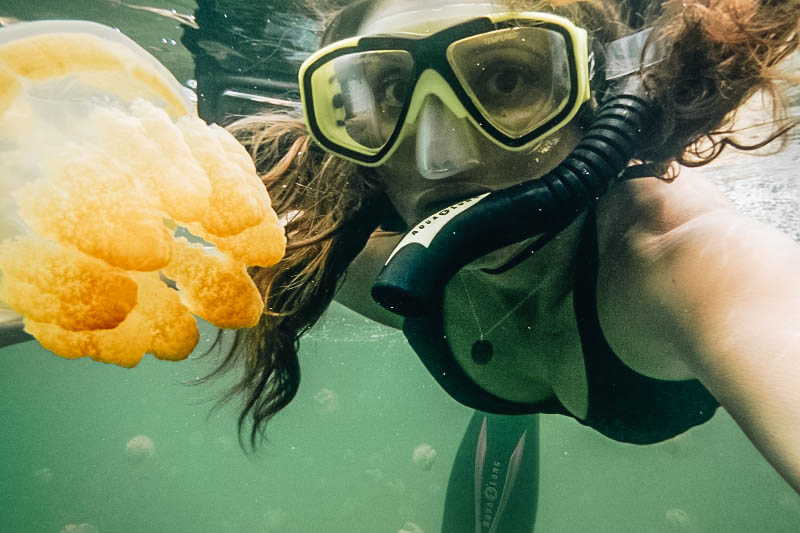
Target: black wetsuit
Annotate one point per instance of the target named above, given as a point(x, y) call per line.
point(494, 482)
point(623, 405)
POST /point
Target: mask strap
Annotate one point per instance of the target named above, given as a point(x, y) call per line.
point(623, 57)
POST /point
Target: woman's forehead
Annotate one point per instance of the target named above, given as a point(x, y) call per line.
point(421, 16)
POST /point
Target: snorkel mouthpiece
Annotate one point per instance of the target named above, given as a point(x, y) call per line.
point(439, 246)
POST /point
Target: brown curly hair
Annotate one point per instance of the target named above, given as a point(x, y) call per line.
point(719, 53)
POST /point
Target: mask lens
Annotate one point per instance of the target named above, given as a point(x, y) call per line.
point(359, 97)
point(518, 77)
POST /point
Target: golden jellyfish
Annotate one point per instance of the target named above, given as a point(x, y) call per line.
point(112, 192)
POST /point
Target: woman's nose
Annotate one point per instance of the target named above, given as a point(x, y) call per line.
point(446, 145)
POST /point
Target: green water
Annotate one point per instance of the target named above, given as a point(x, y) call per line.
point(340, 466)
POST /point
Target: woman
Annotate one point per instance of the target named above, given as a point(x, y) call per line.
point(638, 318)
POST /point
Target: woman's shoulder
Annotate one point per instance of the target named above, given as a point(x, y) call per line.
point(636, 221)
point(647, 207)
point(684, 282)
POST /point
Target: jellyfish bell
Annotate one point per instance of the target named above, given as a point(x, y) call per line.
point(43, 475)
point(789, 502)
point(410, 527)
point(374, 474)
point(109, 185)
point(139, 448)
point(396, 485)
point(64, 51)
point(275, 519)
point(679, 445)
point(424, 455)
point(677, 519)
point(326, 401)
point(79, 528)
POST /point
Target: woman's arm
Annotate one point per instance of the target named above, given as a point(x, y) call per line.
point(731, 287)
point(354, 293)
point(717, 294)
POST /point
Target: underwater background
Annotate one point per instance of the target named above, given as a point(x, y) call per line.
point(87, 447)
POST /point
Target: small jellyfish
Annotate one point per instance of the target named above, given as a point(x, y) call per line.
point(326, 401)
point(275, 519)
point(43, 475)
point(197, 439)
point(226, 526)
point(321, 484)
point(224, 442)
point(396, 485)
point(424, 456)
point(352, 506)
point(410, 527)
point(364, 396)
point(677, 520)
point(375, 474)
point(375, 459)
point(790, 502)
point(79, 528)
point(679, 445)
point(139, 449)
point(405, 510)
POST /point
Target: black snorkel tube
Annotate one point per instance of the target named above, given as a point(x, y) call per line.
point(437, 247)
point(443, 243)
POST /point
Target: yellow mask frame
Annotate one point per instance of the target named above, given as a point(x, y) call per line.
point(439, 64)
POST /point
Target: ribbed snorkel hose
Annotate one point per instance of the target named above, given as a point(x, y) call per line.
point(435, 249)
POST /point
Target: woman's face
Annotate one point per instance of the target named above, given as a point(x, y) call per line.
point(446, 158)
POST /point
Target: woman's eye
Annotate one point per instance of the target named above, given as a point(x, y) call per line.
point(507, 82)
point(393, 93)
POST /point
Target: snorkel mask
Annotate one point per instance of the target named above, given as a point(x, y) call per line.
point(517, 77)
point(361, 96)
